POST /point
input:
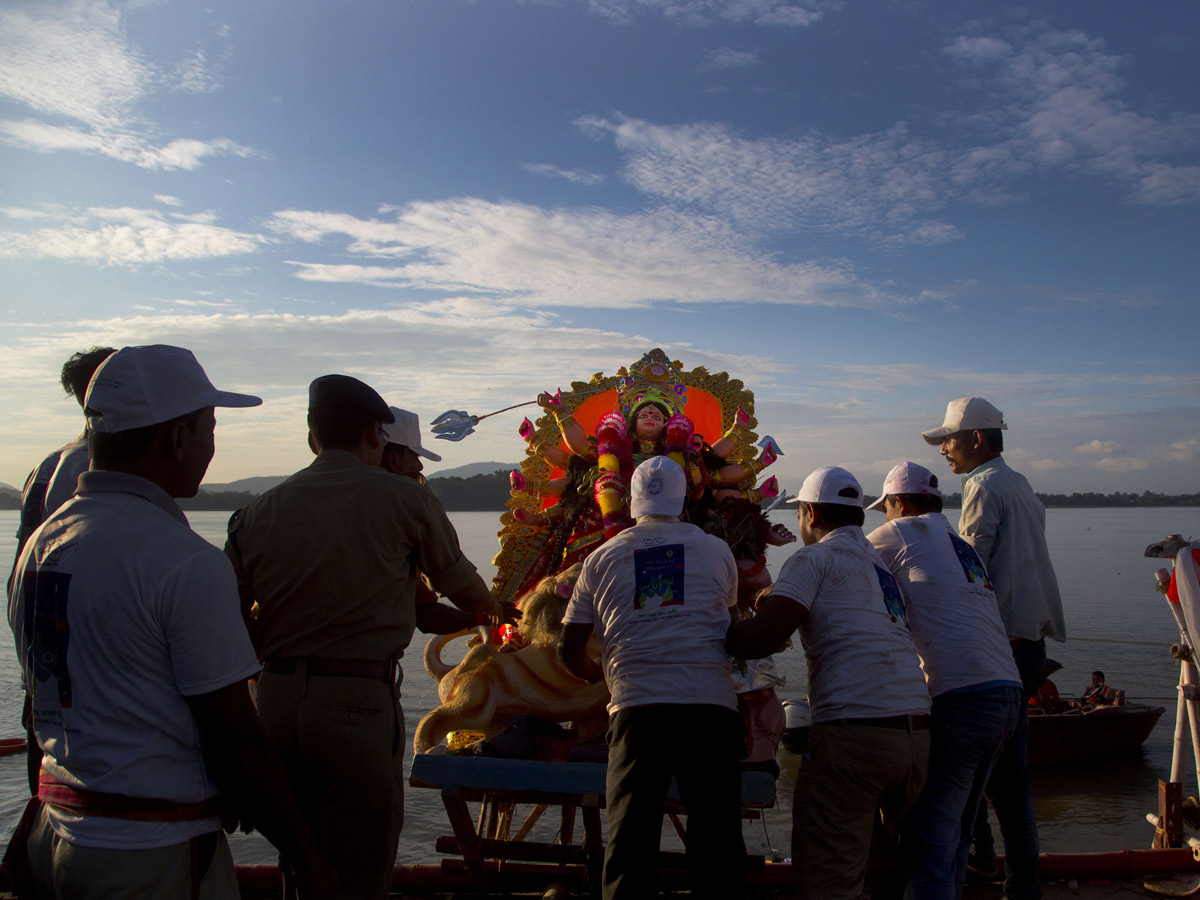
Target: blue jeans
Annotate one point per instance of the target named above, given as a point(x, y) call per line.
point(1011, 789)
point(967, 730)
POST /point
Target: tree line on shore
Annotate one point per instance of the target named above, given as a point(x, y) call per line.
point(489, 493)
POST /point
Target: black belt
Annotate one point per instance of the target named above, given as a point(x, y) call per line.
point(387, 671)
point(903, 723)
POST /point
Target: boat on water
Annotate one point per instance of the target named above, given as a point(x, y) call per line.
point(1053, 737)
point(1076, 734)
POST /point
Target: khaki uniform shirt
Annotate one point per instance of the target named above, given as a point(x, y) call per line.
point(331, 557)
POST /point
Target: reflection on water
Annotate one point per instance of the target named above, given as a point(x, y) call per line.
point(1116, 623)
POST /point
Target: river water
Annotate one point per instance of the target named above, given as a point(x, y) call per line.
point(1115, 621)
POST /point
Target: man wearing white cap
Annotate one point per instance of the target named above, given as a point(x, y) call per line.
point(131, 643)
point(869, 741)
point(403, 451)
point(402, 456)
point(658, 596)
point(1005, 522)
point(968, 666)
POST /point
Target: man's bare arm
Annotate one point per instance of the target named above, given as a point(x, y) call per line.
point(572, 652)
point(777, 617)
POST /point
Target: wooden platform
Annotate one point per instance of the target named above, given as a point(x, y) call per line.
point(492, 840)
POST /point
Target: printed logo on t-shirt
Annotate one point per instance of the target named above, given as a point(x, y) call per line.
point(46, 594)
point(658, 577)
point(973, 567)
point(892, 598)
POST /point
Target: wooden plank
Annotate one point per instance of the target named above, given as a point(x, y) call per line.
point(532, 781)
point(464, 830)
point(593, 840)
point(1170, 815)
point(432, 770)
point(530, 821)
point(524, 851)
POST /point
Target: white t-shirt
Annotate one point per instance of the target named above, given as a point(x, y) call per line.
point(120, 611)
point(862, 662)
point(951, 605)
point(658, 597)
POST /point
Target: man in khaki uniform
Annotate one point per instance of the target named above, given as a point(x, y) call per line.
point(328, 563)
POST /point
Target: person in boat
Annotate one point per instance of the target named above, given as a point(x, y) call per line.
point(1003, 520)
point(869, 742)
point(1047, 698)
point(664, 663)
point(1097, 693)
point(150, 737)
point(969, 668)
point(50, 485)
point(590, 501)
point(327, 567)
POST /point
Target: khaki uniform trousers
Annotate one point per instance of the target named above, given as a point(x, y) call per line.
point(64, 871)
point(854, 784)
point(342, 742)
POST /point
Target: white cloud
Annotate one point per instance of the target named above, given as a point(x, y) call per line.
point(1108, 448)
point(456, 353)
point(878, 186)
point(981, 48)
point(184, 153)
point(121, 236)
point(701, 13)
point(168, 200)
point(728, 58)
point(584, 257)
point(1056, 101)
point(1121, 464)
point(196, 76)
point(73, 59)
point(1184, 451)
point(576, 176)
point(1046, 465)
point(1045, 101)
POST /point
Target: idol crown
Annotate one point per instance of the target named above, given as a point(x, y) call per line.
point(652, 379)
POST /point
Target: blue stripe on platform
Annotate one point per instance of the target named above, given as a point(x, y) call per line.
point(484, 773)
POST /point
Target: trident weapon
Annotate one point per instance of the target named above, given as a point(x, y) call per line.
point(456, 424)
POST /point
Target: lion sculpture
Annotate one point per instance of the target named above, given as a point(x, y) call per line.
point(492, 685)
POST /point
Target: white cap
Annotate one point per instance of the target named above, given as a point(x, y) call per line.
point(966, 414)
point(659, 488)
point(406, 430)
point(907, 478)
point(830, 484)
point(141, 386)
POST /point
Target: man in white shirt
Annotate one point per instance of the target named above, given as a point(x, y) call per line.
point(49, 486)
point(869, 742)
point(52, 481)
point(1005, 522)
point(658, 596)
point(968, 666)
point(131, 644)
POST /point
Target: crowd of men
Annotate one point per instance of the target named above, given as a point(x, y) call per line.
point(136, 639)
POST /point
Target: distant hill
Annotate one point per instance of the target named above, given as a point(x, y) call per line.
point(259, 483)
point(255, 485)
point(472, 469)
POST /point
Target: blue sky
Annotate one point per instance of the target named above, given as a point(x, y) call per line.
point(862, 210)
